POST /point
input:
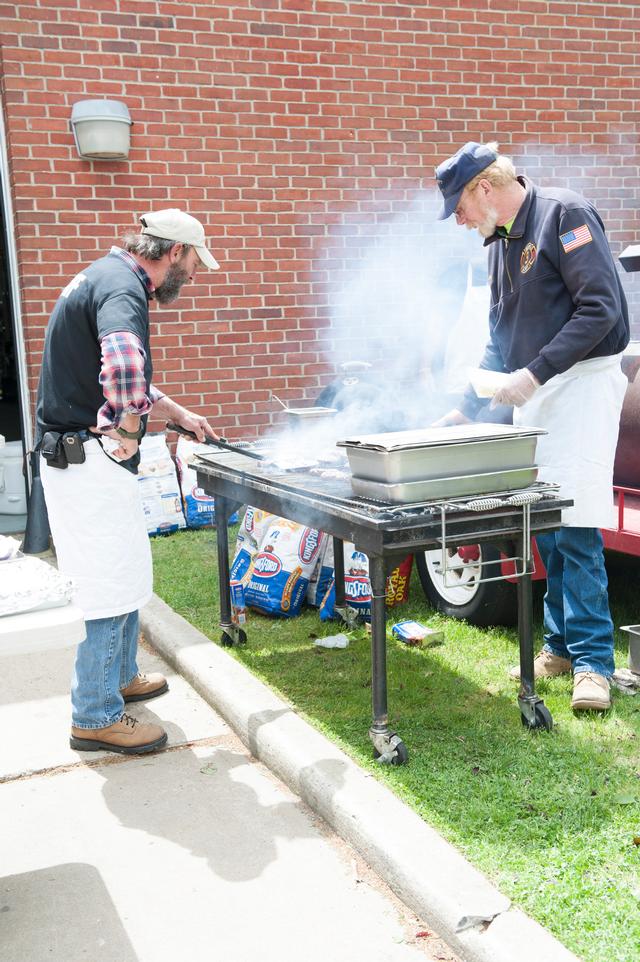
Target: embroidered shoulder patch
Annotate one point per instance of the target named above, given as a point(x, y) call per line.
point(527, 258)
point(577, 237)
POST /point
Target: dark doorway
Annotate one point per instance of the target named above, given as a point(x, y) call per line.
point(13, 483)
point(10, 419)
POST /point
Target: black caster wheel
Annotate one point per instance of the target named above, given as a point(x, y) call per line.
point(400, 755)
point(229, 641)
point(543, 718)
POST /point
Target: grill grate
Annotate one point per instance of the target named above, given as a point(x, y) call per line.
point(319, 491)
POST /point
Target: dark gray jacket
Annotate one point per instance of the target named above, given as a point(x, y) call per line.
point(556, 297)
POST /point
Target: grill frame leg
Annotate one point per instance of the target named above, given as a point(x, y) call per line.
point(347, 613)
point(338, 571)
point(231, 634)
point(388, 747)
point(534, 712)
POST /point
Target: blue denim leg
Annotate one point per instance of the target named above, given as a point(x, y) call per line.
point(95, 691)
point(129, 666)
point(554, 636)
point(576, 606)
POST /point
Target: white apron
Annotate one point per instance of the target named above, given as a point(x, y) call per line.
point(100, 534)
point(581, 411)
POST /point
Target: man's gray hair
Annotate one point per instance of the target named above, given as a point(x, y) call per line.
point(499, 174)
point(150, 247)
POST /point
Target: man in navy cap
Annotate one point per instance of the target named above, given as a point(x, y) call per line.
point(558, 323)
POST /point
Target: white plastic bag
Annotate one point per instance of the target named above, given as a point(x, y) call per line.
point(158, 486)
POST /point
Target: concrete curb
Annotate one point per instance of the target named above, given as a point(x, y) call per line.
point(425, 871)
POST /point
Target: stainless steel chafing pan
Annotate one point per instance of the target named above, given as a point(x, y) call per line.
point(405, 492)
point(429, 453)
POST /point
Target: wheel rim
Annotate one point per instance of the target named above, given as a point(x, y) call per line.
point(462, 585)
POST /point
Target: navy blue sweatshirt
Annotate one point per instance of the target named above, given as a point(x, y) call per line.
point(556, 297)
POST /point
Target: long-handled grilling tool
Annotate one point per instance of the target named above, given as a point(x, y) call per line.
point(220, 443)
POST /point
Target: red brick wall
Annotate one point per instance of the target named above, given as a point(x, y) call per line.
point(295, 129)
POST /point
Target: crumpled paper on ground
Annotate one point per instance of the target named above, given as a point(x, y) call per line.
point(28, 584)
point(626, 681)
point(483, 914)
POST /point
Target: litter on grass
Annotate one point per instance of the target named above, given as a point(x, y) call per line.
point(332, 641)
point(413, 633)
point(626, 681)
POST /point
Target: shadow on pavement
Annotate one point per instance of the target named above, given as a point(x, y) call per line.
point(212, 800)
point(68, 914)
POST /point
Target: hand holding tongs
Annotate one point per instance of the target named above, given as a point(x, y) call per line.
point(219, 443)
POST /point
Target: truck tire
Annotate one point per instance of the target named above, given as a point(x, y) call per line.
point(492, 603)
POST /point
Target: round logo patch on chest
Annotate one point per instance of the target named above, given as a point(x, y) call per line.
point(527, 258)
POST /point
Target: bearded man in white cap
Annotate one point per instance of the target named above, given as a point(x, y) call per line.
point(94, 398)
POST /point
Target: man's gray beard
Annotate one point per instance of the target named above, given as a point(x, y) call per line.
point(489, 224)
point(168, 291)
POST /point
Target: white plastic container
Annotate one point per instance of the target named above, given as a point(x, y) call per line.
point(13, 494)
point(634, 647)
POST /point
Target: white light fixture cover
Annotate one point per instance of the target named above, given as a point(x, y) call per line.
point(101, 129)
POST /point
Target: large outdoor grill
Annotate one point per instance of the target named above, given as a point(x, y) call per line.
point(387, 532)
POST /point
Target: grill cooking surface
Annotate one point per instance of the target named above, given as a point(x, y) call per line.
point(334, 495)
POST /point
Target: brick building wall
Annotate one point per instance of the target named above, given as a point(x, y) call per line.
point(300, 132)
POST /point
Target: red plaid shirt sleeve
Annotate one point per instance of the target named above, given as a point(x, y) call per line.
point(122, 379)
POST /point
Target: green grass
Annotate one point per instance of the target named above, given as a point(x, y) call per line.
point(552, 818)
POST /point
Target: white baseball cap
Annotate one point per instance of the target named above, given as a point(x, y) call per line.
point(176, 225)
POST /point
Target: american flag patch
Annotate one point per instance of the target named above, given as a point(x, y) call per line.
point(575, 238)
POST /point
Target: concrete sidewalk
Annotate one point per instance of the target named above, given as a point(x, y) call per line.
point(196, 853)
point(425, 871)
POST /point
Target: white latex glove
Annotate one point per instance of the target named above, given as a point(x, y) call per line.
point(518, 389)
point(452, 417)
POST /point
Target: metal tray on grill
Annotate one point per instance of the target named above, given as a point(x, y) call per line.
point(433, 489)
point(431, 453)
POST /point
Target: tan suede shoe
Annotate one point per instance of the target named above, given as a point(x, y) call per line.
point(545, 665)
point(144, 687)
point(591, 692)
point(127, 737)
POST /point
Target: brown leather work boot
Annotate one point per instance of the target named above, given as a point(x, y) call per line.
point(144, 687)
point(127, 737)
point(545, 665)
point(591, 692)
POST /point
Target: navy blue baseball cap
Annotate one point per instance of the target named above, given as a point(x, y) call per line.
point(453, 175)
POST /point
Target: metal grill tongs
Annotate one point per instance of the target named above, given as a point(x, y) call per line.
point(219, 443)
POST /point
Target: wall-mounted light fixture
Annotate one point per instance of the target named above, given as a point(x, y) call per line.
point(101, 129)
point(630, 258)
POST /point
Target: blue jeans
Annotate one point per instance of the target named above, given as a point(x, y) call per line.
point(576, 606)
point(105, 663)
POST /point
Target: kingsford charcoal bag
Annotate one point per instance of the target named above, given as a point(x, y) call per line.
point(280, 572)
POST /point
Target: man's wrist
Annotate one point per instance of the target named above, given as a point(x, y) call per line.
point(130, 435)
